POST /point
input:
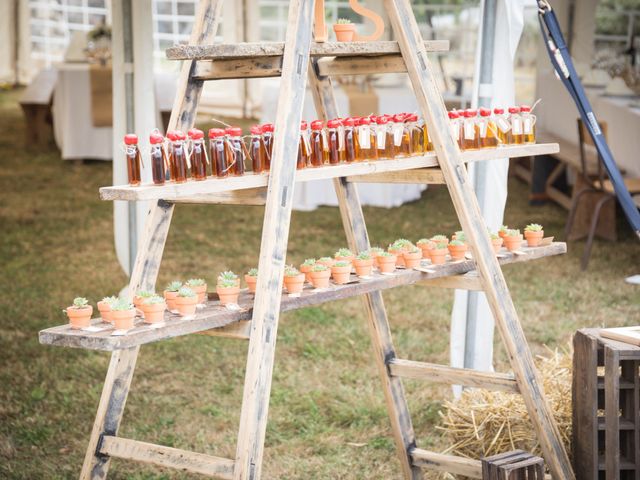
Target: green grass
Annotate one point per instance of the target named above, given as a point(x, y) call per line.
point(327, 416)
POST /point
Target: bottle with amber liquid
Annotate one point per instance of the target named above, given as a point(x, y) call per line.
point(235, 152)
point(487, 129)
point(416, 135)
point(504, 126)
point(218, 153)
point(267, 139)
point(198, 155)
point(515, 119)
point(158, 158)
point(350, 142)
point(257, 151)
point(319, 147)
point(335, 141)
point(528, 125)
point(365, 140)
point(384, 138)
point(470, 131)
point(179, 156)
point(171, 136)
point(132, 154)
point(401, 135)
point(454, 118)
point(304, 148)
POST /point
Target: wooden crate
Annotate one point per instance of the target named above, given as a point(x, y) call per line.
point(515, 465)
point(606, 408)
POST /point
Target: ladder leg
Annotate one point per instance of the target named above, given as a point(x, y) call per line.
point(275, 233)
point(123, 362)
point(356, 231)
point(432, 106)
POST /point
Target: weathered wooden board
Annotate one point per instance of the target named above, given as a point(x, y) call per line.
point(425, 176)
point(447, 463)
point(273, 49)
point(173, 191)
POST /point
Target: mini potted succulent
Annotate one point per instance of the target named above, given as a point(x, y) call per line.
point(123, 313)
point(344, 254)
point(326, 261)
point(186, 301)
point(293, 279)
point(533, 233)
point(251, 278)
point(457, 249)
point(228, 288)
point(375, 251)
point(306, 267)
point(386, 262)
point(104, 307)
point(170, 294)
point(345, 30)
point(440, 239)
point(398, 247)
point(320, 275)
point(363, 263)
point(79, 313)
point(459, 235)
point(496, 242)
point(425, 245)
point(153, 309)
point(139, 297)
point(439, 253)
point(199, 286)
point(412, 257)
point(341, 271)
point(512, 240)
point(502, 231)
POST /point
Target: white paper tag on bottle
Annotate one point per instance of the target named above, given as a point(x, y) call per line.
point(305, 139)
point(130, 150)
point(483, 129)
point(527, 125)
point(503, 125)
point(469, 130)
point(325, 141)
point(364, 137)
point(455, 130)
point(516, 124)
point(340, 132)
point(397, 135)
point(381, 137)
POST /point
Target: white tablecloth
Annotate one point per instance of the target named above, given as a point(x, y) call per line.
point(73, 128)
point(310, 195)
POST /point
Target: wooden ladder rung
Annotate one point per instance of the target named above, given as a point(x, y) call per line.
point(452, 376)
point(418, 176)
point(446, 463)
point(167, 457)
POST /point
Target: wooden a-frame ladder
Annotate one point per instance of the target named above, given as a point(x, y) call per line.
point(295, 68)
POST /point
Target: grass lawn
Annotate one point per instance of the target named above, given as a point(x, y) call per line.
point(327, 418)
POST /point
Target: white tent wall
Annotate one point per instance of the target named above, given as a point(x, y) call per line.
point(15, 45)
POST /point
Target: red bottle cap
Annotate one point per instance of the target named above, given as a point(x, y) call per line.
point(131, 139)
point(498, 111)
point(349, 122)
point(525, 108)
point(366, 120)
point(155, 138)
point(412, 117)
point(514, 110)
point(382, 120)
point(180, 135)
point(233, 131)
point(399, 117)
point(171, 135)
point(453, 115)
point(317, 125)
point(470, 113)
point(214, 133)
point(333, 123)
point(256, 130)
point(304, 125)
point(267, 127)
point(196, 134)
point(485, 112)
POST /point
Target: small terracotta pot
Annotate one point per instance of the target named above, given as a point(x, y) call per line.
point(200, 291)
point(105, 311)
point(320, 279)
point(79, 317)
point(457, 252)
point(387, 264)
point(228, 294)
point(497, 244)
point(399, 257)
point(137, 301)
point(327, 263)
point(513, 243)
point(153, 312)
point(533, 238)
point(123, 319)
point(438, 256)
point(186, 305)
point(306, 269)
point(502, 234)
point(170, 298)
point(294, 284)
point(349, 259)
point(345, 32)
point(426, 249)
point(251, 283)
point(412, 259)
point(363, 267)
point(341, 274)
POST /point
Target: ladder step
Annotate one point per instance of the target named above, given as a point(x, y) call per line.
point(422, 176)
point(447, 463)
point(451, 375)
point(167, 457)
point(274, 49)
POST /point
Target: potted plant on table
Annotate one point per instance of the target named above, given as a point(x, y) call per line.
point(186, 301)
point(375, 251)
point(412, 257)
point(398, 247)
point(320, 274)
point(363, 263)
point(457, 249)
point(439, 253)
point(440, 239)
point(533, 233)
point(341, 271)
point(140, 296)
point(293, 279)
point(79, 313)
point(251, 278)
point(153, 309)
point(496, 242)
point(512, 240)
point(425, 245)
point(228, 288)
point(345, 30)
point(344, 254)
point(170, 294)
point(326, 261)
point(199, 286)
point(459, 235)
point(387, 262)
point(123, 313)
point(306, 267)
point(104, 307)
point(502, 231)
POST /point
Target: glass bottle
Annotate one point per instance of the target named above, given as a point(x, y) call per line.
point(267, 139)
point(470, 130)
point(319, 147)
point(401, 135)
point(428, 144)
point(179, 157)
point(487, 129)
point(342, 153)
point(416, 135)
point(350, 142)
point(517, 136)
point(384, 138)
point(173, 172)
point(132, 153)
point(235, 152)
point(304, 148)
point(504, 126)
point(257, 151)
point(158, 158)
point(334, 141)
point(528, 125)
point(198, 155)
point(454, 118)
point(218, 153)
point(365, 140)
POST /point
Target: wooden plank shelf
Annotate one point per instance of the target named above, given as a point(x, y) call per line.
point(275, 49)
point(190, 189)
point(214, 316)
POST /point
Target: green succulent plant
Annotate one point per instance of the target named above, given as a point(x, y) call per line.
point(376, 250)
point(413, 249)
point(291, 271)
point(494, 236)
point(512, 232)
point(110, 300)
point(195, 282)
point(325, 260)
point(318, 267)
point(227, 283)
point(439, 238)
point(461, 236)
point(186, 292)
point(342, 263)
point(533, 227)
point(385, 254)
point(344, 252)
point(400, 244)
point(343, 21)
point(503, 229)
point(456, 243)
point(229, 275)
point(155, 300)
point(145, 293)
point(80, 302)
point(253, 272)
point(122, 305)
point(422, 241)
point(440, 246)
point(365, 255)
point(309, 262)
point(173, 286)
